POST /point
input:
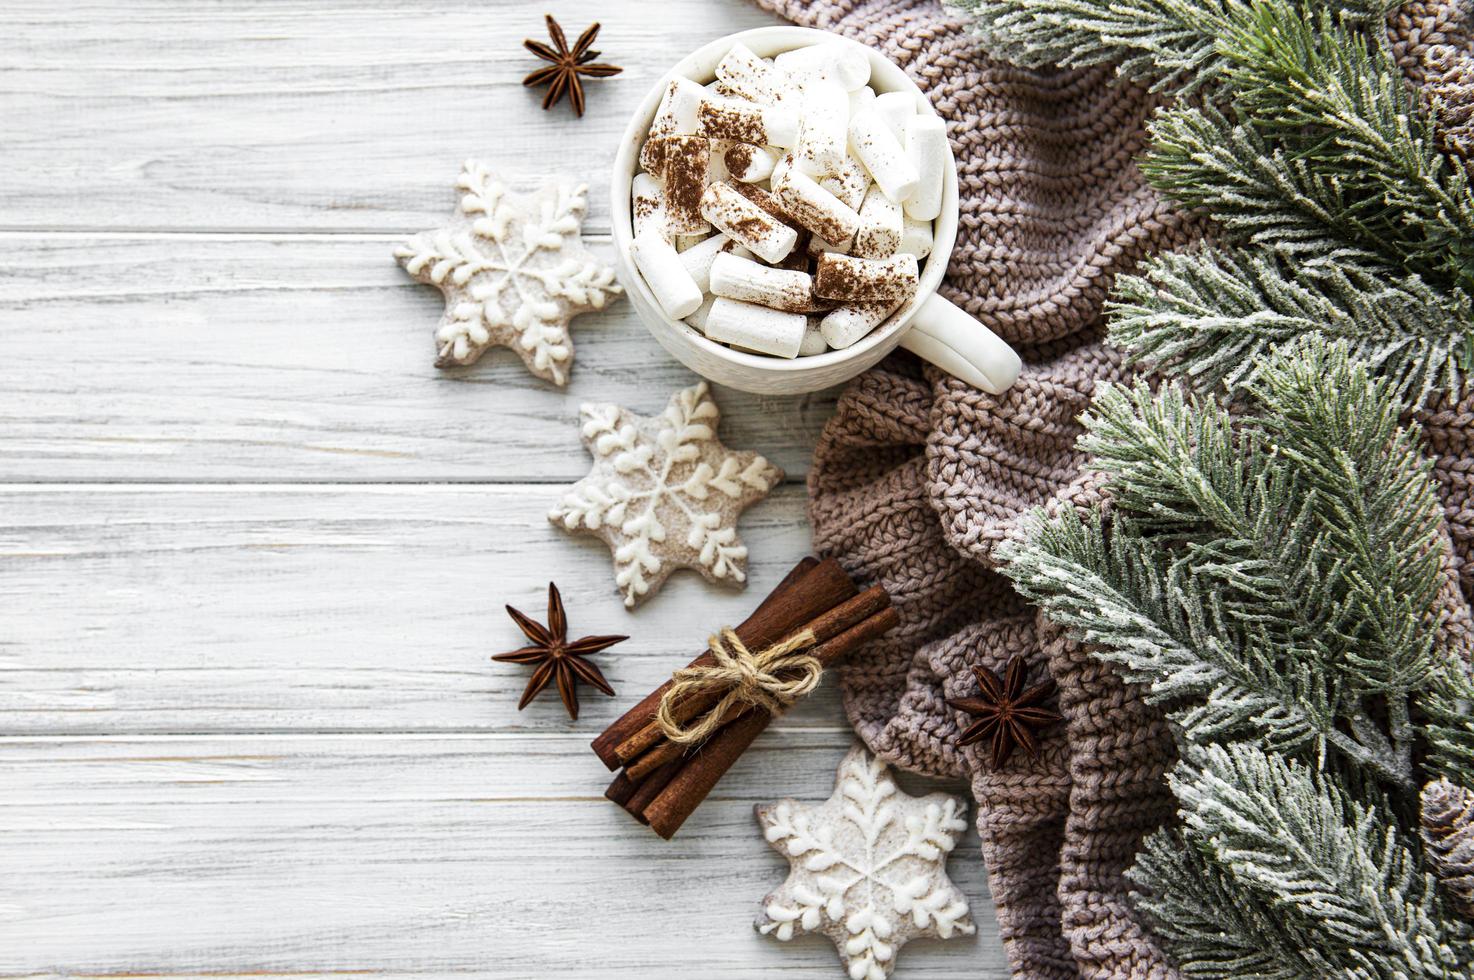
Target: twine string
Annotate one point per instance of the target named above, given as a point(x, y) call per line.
point(771, 679)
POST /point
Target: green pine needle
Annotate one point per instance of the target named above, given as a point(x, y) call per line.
point(1208, 316)
point(1335, 870)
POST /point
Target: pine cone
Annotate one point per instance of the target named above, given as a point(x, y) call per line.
point(1448, 832)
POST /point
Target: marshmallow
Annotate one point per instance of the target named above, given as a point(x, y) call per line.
point(816, 209)
point(813, 342)
point(818, 246)
point(881, 226)
point(676, 116)
point(749, 224)
point(842, 327)
point(780, 169)
point(687, 162)
point(849, 184)
point(895, 108)
point(824, 138)
point(926, 146)
point(749, 163)
point(861, 99)
point(647, 204)
point(769, 202)
point(882, 155)
point(855, 280)
point(916, 238)
point(698, 258)
point(747, 122)
point(702, 314)
point(846, 64)
point(667, 278)
point(756, 328)
point(777, 289)
point(718, 171)
point(749, 77)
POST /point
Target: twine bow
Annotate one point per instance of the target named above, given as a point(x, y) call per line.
point(771, 679)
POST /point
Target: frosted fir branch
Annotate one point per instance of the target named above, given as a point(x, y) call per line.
point(1210, 316)
point(1259, 193)
point(1171, 45)
point(1372, 492)
point(1334, 97)
point(1213, 928)
point(1275, 574)
point(1297, 841)
point(1164, 629)
point(1449, 730)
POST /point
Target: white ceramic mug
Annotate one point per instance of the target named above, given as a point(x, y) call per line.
point(928, 325)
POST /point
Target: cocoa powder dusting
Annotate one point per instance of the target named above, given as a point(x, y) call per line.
point(751, 228)
point(731, 123)
point(739, 157)
point(845, 278)
point(826, 226)
point(687, 163)
point(653, 154)
point(769, 203)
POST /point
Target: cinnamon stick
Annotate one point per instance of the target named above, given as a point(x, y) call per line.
point(651, 788)
point(829, 653)
point(806, 592)
point(622, 789)
point(603, 744)
point(826, 626)
point(701, 772)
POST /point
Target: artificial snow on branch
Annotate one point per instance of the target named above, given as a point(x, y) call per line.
point(1317, 161)
point(1273, 576)
point(1211, 313)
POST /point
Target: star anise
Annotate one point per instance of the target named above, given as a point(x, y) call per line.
point(556, 657)
point(568, 65)
point(1007, 714)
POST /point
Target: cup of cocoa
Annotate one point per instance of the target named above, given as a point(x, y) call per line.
point(784, 204)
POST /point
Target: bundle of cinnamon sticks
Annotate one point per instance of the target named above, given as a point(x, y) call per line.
point(663, 782)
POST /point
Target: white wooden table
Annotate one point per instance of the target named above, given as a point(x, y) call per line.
point(254, 546)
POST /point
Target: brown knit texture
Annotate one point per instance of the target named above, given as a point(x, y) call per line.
point(918, 477)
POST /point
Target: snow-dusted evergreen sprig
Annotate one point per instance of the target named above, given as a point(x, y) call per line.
point(1307, 147)
point(1260, 193)
point(1337, 874)
point(1448, 730)
point(1321, 151)
point(1334, 97)
point(1281, 572)
point(1207, 316)
point(1215, 928)
point(1168, 44)
point(1274, 577)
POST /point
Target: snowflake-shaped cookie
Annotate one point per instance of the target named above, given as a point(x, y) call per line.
point(665, 493)
point(869, 867)
point(514, 272)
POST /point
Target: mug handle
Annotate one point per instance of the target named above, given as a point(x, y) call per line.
point(950, 338)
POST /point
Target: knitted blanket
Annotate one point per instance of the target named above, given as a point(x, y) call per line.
point(919, 477)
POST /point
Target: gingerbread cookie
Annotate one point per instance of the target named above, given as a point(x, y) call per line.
point(514, 273)
point(869, 867)
point(665, 493)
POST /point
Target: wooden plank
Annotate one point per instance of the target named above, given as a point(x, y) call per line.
point(204, 358)
point(400, 856)
point(216, 609)
point(304, 116)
